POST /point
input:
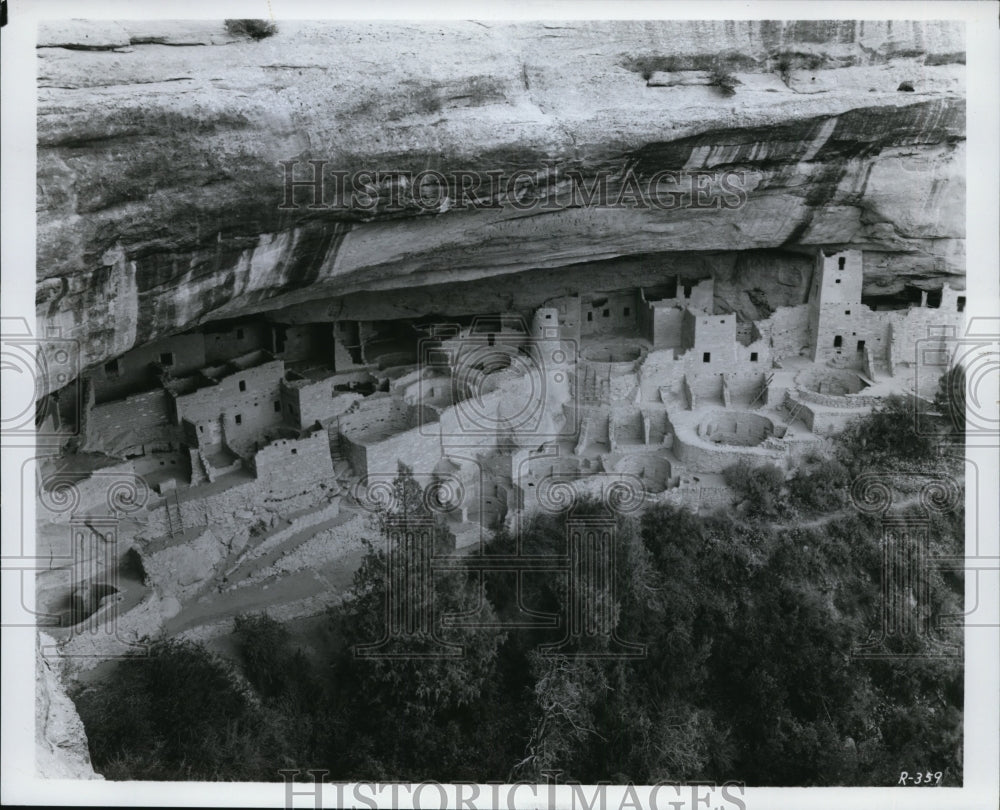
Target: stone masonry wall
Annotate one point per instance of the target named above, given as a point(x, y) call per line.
point(134, 368)
point(287, 466)
point(123, 426)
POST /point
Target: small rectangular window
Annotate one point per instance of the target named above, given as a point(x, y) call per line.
point(243, 385)
point(167, 358)
point(605, 313)
point(838, 281)
point(201, 428)
point(841, 262)
point(239, 419)
point(626, 312)
point(753, 357)
point(112, 368)
point(277, 406)
point(295, 451)
point(961, 303)
point(706, 357)
point(590, 316)
point(838, 341)
point(847, 312)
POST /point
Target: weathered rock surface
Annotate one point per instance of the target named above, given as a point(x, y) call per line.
point(159, 190)
point(61, 750)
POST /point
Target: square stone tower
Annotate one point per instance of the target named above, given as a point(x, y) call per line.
point(836, 288)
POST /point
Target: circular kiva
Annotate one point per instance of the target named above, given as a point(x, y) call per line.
point(738, 429)
point(474, 367)
point(829, 381)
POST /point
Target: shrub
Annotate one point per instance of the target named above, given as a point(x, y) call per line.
point(785, 68)
point(254, 29)
point(888, 435)
point(277, 672)
point(819, 483)
point(723, 79)
point(759, 487)
point(950, 398)
point(176, 713)
point(266, 652)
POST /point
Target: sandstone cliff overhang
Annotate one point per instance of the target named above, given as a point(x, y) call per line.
point(160, 189)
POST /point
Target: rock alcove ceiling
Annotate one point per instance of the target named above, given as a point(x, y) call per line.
point(159, 187)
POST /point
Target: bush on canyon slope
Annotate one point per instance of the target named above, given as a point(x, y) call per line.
point(758, 486)
point(819, 483)
point(889, 436)
point(272, 665)
point(176, 713)
point(254, 29)
point(746, 672)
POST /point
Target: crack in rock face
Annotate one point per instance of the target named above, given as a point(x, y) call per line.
point(162, 199)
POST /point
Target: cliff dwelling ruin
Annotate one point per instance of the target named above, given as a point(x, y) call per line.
point(649, 384)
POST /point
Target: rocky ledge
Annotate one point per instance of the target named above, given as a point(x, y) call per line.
point(160, 191)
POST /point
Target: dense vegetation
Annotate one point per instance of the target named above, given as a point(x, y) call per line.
point(749, 620)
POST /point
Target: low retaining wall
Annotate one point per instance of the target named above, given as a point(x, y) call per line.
point(835, 401)
point(705, 457)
